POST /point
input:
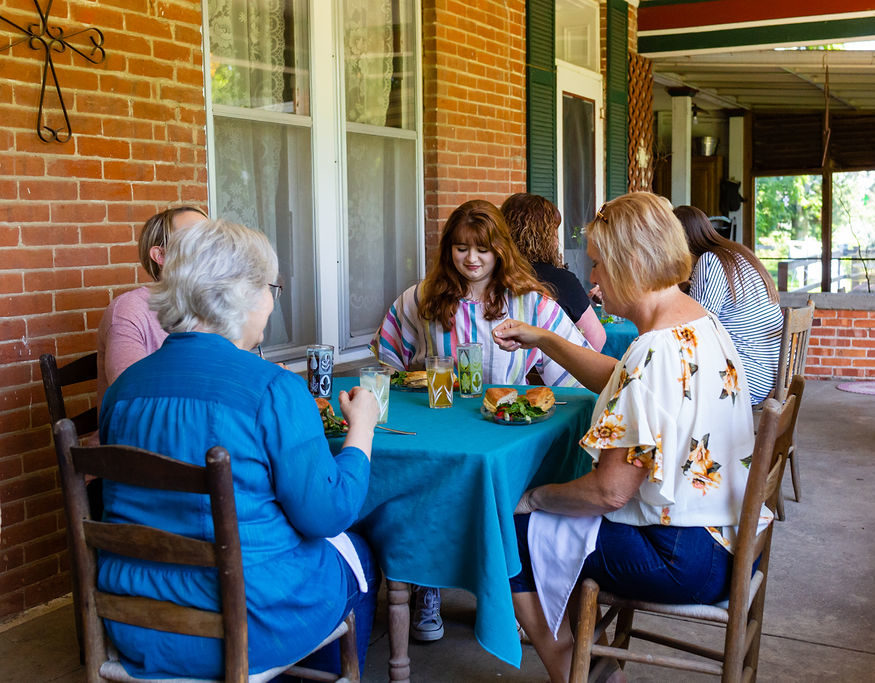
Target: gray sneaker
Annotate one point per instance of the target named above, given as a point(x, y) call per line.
point(427, 624)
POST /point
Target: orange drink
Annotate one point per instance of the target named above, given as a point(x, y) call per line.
point(439, 373)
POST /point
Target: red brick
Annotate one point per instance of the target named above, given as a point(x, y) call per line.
point(78, 343)
point(159, 192)
point(10, 283)
point(78, 212)
point(138, 66)
point(14, 421)
point(17, 212)
point(106, 277)
point(124, 254)
point(55, 323)
point(50, 280)
point(129, 170)
point(42, 505)
point(15, 374)
point(40, 460)
point(73, 168)
point(27, 574)
point(102, 147)
point(74, 300)
point(10, 558)
point(13, 513)
point(26, 304)
point(49, 234)
point(104, 190)
point(80, 256)
point(26, 486)
point(53, 587)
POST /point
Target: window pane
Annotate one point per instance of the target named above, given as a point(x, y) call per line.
point(381, 245)
point(577, 26)
point(578, 171)
point(788, 230)
point(853, 232)
point(379, 62)
point(264, 181)
point(259, 54)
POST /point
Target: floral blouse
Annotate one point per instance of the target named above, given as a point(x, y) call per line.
point(678, 401)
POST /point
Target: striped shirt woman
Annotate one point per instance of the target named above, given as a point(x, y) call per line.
point(753, 321)
point(404, 339)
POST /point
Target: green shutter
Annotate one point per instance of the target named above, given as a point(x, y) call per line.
point(541, 98)
point(617, 105)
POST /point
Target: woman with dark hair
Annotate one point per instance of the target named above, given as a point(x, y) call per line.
point(534, 224)
point(732, 283)
point(478, 279)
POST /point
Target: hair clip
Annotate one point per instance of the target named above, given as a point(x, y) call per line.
point(600, 214)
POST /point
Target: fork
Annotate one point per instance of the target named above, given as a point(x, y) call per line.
point(395, 431)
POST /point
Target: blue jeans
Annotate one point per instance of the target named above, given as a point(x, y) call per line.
point(364, 604)
point(656, 563)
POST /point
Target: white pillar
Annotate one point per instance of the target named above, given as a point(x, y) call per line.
point(736, 170)
point(681, 147)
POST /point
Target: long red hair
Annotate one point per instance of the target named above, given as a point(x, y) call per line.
point(481, 223)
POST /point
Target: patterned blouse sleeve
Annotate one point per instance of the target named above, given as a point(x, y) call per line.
point(636, 412)
point(709, 285)
point(394, 343)
point(550, 316)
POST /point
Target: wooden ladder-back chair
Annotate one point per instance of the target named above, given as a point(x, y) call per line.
point(138, 467)
point(83, 369)
point(741, 614)
point(794, 351)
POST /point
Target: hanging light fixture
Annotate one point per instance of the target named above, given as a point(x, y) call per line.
point(695, 113)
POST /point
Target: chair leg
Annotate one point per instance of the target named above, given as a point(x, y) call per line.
point(580, 658)
point(349, 658)
point(780, 506)
point(794, 474)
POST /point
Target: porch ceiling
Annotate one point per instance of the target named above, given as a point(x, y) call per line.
point(792, 80)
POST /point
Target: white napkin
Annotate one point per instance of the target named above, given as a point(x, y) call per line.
point(559, 545)
point(347, 551)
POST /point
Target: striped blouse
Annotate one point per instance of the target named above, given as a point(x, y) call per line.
point(404, 339)
point(754, 323)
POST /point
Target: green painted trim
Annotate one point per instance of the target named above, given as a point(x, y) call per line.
point(758, 35)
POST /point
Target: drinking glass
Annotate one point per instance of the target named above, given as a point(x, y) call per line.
point(320, 369)
point(470, 369)
point(439, 373)
point(375, 378)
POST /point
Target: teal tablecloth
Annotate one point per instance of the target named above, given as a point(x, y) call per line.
point(439, 510)
point(619, 336)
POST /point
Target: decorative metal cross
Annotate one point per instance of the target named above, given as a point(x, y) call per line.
point(41, 36)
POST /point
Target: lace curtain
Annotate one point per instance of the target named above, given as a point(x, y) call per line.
point(263, 173)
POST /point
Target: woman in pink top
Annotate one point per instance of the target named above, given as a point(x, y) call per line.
point(129, 330)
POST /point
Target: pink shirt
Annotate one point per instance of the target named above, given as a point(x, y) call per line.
point(128, 332)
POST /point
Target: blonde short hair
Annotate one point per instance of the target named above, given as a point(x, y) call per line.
point(155, 232)
point(213, 272)
point(642, 245)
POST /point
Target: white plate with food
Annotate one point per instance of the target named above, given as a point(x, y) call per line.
point(331, 423)
point(504, 406)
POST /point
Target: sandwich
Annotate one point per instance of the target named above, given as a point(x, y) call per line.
point(331, 423)
point(498, 396)
point(410, 379)
point(541, 397)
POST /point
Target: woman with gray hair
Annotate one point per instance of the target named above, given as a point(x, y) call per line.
point(204, 388)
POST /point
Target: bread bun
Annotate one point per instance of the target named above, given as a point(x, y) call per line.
point(497, 396)
point(322, 404)
point(416, 378)
point(541, 397)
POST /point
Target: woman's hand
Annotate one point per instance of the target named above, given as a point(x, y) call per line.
point(512, 335)
point(359, 408)
point(526, 504)
point(595, 294)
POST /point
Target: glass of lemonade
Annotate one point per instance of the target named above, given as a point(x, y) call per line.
point(439, 371)
point(375, 378)
point(470, 358)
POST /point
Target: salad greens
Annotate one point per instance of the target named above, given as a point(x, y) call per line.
point(518, 411)
point(332, 424)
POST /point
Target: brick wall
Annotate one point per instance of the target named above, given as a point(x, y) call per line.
point(841, 345)
point(474, 113)
point(69, 218)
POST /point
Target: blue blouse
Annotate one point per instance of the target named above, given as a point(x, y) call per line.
point(197, 391)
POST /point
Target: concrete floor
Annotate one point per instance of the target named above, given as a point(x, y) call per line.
point(820, 606)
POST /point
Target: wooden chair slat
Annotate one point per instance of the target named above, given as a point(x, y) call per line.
point(159, 615)
point(147, 543)
point(136, 467)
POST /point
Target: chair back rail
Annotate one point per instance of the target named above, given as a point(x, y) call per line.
point(159, 615)
point(794, 346)
point(147, 543)
point(82, 369)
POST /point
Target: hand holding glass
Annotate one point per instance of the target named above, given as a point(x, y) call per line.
point(375, 378)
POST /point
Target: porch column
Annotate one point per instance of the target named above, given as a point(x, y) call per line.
point(736, 171)
point(681, 143)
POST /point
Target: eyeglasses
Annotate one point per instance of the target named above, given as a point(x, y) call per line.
point(601, 214)
point(276, 290)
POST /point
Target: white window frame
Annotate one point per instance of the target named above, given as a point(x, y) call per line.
point(327, 120)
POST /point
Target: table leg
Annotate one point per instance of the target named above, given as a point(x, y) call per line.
point(399, 630)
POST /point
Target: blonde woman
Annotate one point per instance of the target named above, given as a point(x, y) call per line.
point(656, 519)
